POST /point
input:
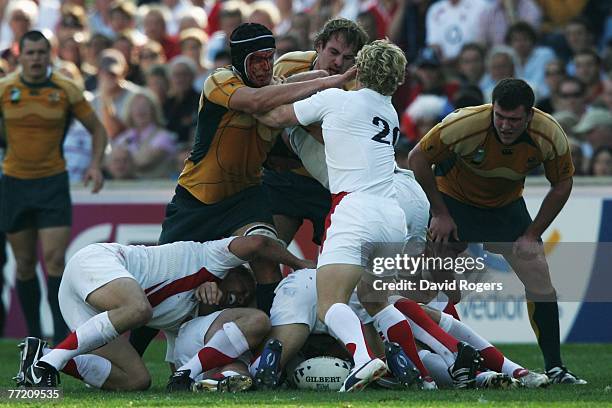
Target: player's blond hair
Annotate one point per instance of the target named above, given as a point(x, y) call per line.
point(381, 66)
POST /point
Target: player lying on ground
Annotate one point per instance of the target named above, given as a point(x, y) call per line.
point(208, 348)
point(109, 289)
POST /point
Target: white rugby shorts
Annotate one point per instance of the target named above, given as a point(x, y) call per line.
point(295, 301)
point(89, 269)
point(358, 220)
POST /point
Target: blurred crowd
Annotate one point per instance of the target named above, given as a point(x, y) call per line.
point(143, 64)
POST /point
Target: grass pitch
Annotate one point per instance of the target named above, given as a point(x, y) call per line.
point(590, 361)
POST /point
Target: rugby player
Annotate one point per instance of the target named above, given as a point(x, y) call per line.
point(110, 288)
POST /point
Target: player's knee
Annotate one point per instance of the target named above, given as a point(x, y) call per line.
point(141, 312)
point(26, 267)
point(140, 382)
point(55, 262)
point(259, 324)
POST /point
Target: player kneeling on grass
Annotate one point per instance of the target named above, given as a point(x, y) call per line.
point(108, 289)
point(208, 348)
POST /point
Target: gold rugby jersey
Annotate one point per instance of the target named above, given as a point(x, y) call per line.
point(36, 118)
point(230, 146)
point(474, 167)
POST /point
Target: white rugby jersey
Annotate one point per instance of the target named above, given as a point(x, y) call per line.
point(359, 130)
point(170, 273)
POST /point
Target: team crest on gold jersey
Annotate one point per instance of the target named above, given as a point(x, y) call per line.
point(54, 97)
point(15, 95)
point(479, 156)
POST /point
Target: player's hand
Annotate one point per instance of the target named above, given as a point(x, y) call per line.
point(442, 228)
point(307, 264)
point(94, 175)
point(340, 79)
point(527, 247)
point(209, 293)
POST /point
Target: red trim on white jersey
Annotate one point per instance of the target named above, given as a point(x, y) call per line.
point(183, 284)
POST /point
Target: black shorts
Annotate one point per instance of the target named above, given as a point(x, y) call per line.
point(35, 203)
point(503, 224)
point(298, 197)
point(188, 219)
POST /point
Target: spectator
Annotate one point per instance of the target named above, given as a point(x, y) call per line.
point(501, 63)
point(113, 91)
point(500, 15)
point(408, 26)
point(452, 23)
point(193, 17)
point(286, 11)
point(367, 20)
point(422, 115)
point(158, 82)
point(572, 96)
point(300, 26)
point(522, 38)
point(193, 42)
point(467, 95)
point(77, 145)
point(122, 17)
point(578, 37)
point(119, 164)
point(151, 54)
point(152, 147)
point(558, 13)
point(154, 21)
point(595, 128)
point(605, 99)
point(124, 43)
point(554, 72)
point(588, 70)
point(91, 56)
point(19, 17)
point(264, 12)
point(601, 162)
point(99, 18)
point(73, 20)
point(222, 59)
point(471, 64)
point(286, 43)
point(182, 106)
point(69, 49)
point(231, 15)
point(176, 9)
point(430, 78)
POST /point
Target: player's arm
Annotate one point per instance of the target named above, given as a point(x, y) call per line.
point(264, 99)
point(306, 76)
point(553, 203)
point(260, 247)
point(99, 140)
point(279, 117)
point(442, 225)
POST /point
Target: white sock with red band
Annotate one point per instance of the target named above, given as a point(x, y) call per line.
point(91, 335)
point(92, 369)
point(224, 347)
point(344, 325)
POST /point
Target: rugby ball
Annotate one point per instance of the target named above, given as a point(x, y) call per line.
point(321, 373)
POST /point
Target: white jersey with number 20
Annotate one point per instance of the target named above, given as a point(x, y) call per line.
point(359, 131)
